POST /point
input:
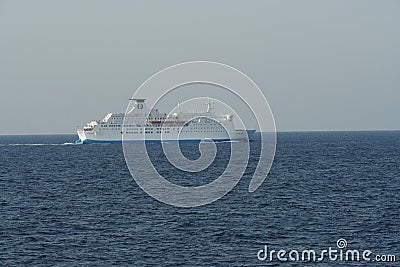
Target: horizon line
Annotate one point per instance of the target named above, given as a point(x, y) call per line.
point(285, 131)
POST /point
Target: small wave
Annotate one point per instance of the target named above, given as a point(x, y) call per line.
point(230, 141)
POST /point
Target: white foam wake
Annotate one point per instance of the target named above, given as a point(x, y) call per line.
point(40, 144)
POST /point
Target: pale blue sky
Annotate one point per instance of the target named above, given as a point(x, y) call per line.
point(323, 65)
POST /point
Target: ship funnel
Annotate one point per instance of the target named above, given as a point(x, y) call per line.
point(139, 105)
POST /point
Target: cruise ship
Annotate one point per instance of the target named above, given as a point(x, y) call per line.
point(153, 126)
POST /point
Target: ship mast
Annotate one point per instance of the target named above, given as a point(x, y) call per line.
point(209, 104)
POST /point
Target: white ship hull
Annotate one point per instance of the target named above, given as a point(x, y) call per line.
point(158, 127)
point(87, 138)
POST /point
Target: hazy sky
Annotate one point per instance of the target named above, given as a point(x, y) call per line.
point(323, 65)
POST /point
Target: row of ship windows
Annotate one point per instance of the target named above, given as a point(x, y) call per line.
point(158, 132)
point(147, 129)
point(167, 131)
point(167, 128)
point(148, 132)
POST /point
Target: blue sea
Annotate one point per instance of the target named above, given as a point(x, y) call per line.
point(77, 205)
